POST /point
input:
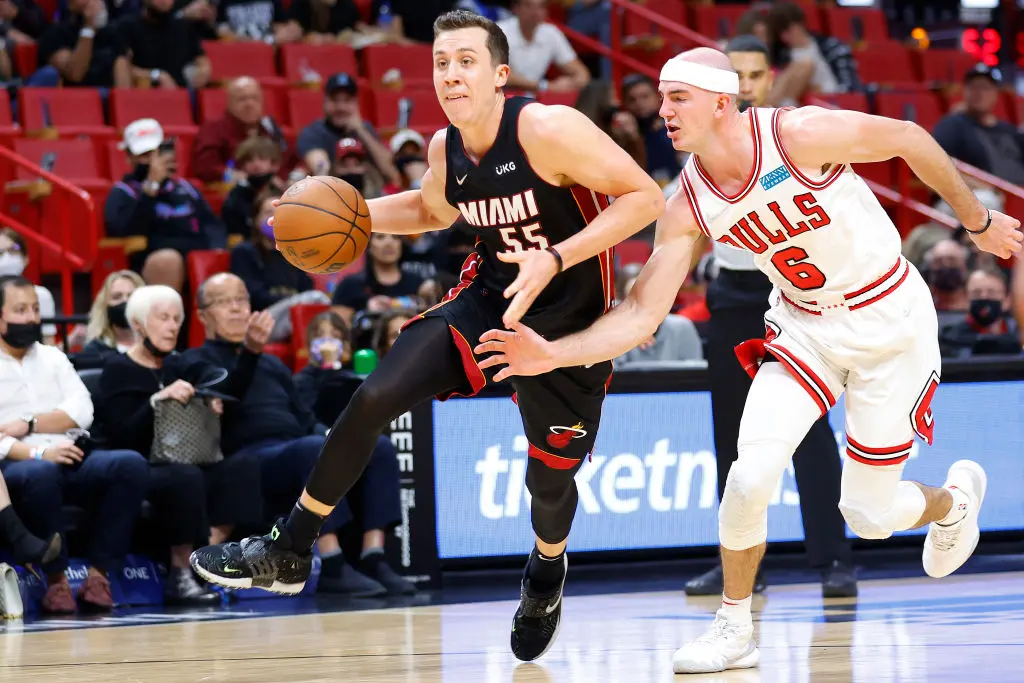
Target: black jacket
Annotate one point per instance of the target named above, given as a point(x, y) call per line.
point(178, 217)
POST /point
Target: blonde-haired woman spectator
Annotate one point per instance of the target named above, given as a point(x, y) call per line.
point(108, 332)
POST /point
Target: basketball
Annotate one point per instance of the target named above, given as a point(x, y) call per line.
point(322, 224)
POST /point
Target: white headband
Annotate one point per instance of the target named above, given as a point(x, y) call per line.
point(701, 76)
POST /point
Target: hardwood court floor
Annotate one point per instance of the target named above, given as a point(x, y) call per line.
point(965, 628)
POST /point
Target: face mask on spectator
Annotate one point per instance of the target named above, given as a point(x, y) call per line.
point(986, 311)
point(316, 348)
point(151, 347)
point(947, 279)
point(258, 182)
point(141, 172)
point(23, 335)
point(268, 230)
point(11, 264)
point(116, 314)
point(353, 179)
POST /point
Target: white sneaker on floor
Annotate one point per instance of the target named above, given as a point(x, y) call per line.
point(946, 548)
point(11, 606)
point(723, 646)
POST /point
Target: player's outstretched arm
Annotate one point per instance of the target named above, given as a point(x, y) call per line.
point(422, 210)
point(815, 137)
point(524, 352)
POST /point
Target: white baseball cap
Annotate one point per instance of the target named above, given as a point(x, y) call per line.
point(406, 135)
point(142, 136)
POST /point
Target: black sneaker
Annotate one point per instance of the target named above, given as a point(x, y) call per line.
point(838, 581)
point(378, 568)
point(183, 589)
point(256, 562)
point(535, 625)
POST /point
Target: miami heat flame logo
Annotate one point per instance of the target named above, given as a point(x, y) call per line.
point(561, 436)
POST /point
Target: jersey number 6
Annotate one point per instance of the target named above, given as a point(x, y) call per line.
point(516, 236)
point(792, 264)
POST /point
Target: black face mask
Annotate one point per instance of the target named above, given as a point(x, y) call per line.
point(353, 179)
point(116, 314)
point(23, 335)
point(645, 123)
point(156, 353)
point(947, 279)
point(986, 311)
point(141, 172)
point(257, 182)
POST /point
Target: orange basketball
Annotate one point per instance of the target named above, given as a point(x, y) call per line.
point(322, 224)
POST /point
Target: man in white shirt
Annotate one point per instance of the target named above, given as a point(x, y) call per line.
point(42, 399)
point(534, 45)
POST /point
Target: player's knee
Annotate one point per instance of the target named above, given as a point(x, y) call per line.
point(743, 514)
point(553, 499)
point(866, 520)
point(369, 406)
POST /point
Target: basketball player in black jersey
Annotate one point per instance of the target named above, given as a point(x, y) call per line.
point(533, 181)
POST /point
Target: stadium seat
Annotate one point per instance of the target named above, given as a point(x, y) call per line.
point(297, 59)
point(230, 59)
point(171, 108)
point(213, 102)
point(427, 116)
point(414, 62)
point(923, 108)
point(854, 101)
point(8, 129)
point(202, 264)
point(71, 111)
point(673, 10)
point(75, 160)
point(306, 106)
point(632, 251)
point(888, 65)
point(565, 97)
point(941, 67)
point(856, 25)
point(302, 315)
point(716, 21)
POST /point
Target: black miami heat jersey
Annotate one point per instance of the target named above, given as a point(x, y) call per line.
point(511, 209)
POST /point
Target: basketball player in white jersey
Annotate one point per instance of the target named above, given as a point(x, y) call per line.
point(848, 313)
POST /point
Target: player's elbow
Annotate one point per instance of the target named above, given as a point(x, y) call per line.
point(653, 202)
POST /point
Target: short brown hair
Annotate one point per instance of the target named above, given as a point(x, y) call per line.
point(781, 16)
point(497, 41)
point(15, 236)
point(257, 147)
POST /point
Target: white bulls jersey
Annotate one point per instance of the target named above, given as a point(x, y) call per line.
point(815, 237)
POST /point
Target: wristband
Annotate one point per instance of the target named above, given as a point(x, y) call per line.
point(36, 453)
point(988, 224)
point(87, 32)
point(558, 257)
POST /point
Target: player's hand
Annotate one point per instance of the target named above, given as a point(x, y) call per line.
point(1003, 238)
point(257, 332)
point(522, 351)
point(536, 268)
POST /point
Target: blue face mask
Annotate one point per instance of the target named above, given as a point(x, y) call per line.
point(267, 230)
point(315, 352)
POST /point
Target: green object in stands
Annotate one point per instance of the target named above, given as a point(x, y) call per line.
point(364, 361)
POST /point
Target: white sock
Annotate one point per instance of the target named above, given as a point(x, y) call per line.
point(737, 611)
point(958, 510)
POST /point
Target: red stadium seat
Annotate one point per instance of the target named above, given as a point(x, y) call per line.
point(632, 251)
point(414, 62)
point(853, 101)
point(203, 264)
point(73, 159)
point(26, 58)
point(71, 111)
point(230, 59)
point(305, 106)
point(923, 108)
point(942, 67)
point(302, 315)
point(717, 21)
point(855, 25)
point(888, 65)
point(673, 10)
point(171, 108)
point(427, 115)
point(567, 98)
point(213, 102)
point(8, 129)
point(298, 59)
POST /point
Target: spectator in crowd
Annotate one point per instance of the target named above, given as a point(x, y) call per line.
point(754, 22)
point(808, 62)
point(274, 285)
point(409, 20)
point(326, 385)
point(262, 20)
point(47, 457)
point(641, 99)
point(22, 22)
point(976, 136)
point(382, 285)
point(676, 339)
point(13, 259)
point(946, 274)
point(6, 67)
point(388, 327)
point(988, 328)
point(350, 165)
point(258, 160)
point(598, 102)
point(218, 140)
point(592, 18)
point(324, 21)
point(151, 201)
point(108, 333)
point(165, 49)
point(24, 545)
point(273, 423)
point(318, 141)
point(191, 503)
point(409, 151)
point(534, 45)
point(83, 49)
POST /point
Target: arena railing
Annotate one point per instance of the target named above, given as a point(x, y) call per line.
point(686, 38)
point(63, 194)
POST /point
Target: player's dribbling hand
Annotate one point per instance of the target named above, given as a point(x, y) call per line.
point(257, 332)
point(536, 269)
point(522, 351)
point(1003, 238)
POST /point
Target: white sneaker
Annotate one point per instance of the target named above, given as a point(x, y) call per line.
point(11, 606)
point(946, 548)
point(724, 645)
